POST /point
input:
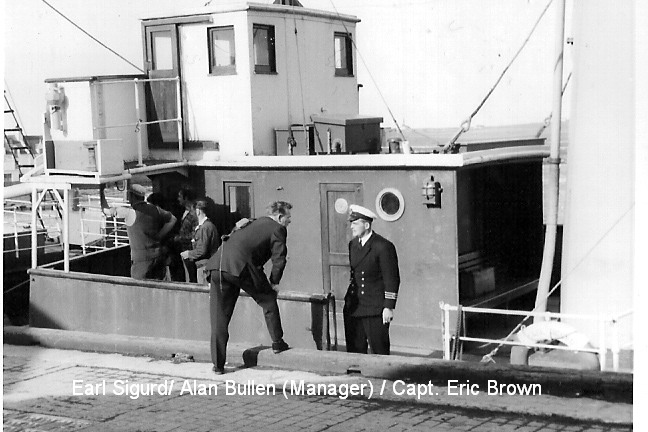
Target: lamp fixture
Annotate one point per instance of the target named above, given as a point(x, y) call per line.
point(431, 192)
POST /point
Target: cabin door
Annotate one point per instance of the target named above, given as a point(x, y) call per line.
point(161, 96)
point(335, 199)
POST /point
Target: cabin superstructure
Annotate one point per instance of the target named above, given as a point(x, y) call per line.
point(221, 79)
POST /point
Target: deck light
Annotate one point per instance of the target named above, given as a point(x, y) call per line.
point(431, 192)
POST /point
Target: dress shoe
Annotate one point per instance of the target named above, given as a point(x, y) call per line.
point(218, 371)
point(278, 347)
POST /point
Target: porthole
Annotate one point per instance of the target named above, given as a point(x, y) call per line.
point(390, 204)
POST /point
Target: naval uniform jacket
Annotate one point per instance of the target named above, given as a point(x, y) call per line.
point(250, 248)
point(374, 267)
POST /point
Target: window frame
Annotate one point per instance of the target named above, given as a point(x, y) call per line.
point(220, 70)
point(348, 49)
point(381, 211)
point(227, 195)
point(272, 50)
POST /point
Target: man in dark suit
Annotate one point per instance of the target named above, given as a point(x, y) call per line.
point(238, 264)
point(370, 302)
point(205, 242)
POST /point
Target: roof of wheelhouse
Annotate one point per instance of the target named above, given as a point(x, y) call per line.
point(179, 12)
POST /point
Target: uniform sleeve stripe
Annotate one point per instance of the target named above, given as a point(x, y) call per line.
point(390, 296)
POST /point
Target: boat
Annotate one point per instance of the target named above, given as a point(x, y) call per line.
point(220, 109)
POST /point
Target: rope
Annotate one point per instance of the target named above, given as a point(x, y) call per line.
point(465, 126)
point(489, 357)
point(94, 38)
point(369, 72)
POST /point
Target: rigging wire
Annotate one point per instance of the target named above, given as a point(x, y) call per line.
point(299, 71)
point(465, 126)
point(94, 38)
point(368, 71)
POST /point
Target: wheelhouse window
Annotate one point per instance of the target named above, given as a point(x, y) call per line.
point(222, 54)
point(264, 49)
point(239, 198)
point(343, 54)
point(162, 50)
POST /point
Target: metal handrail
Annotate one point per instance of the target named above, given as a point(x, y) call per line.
point(138, 114)
point(602, 321)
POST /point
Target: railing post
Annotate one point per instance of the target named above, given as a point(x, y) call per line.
point(34, 240)
point(140, 151)
point(83, 245)
point(446, 331)
point(602, 347)
point(179, 116)
point(115, 234)
point(615, 344)
point(66, 230)
point(16, 243)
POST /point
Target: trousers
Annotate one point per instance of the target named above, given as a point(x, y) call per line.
point(361, 332)
point(223, 294)
point(154, 268)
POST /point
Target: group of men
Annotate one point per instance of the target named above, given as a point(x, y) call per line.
point(165, 246)
point(238, 264)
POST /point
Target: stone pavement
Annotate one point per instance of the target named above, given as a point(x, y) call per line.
point(49, 389)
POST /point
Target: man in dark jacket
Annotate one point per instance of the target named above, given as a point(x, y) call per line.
point(370, 302)
point(205, 242)
point(146, 225)
point(238, 264)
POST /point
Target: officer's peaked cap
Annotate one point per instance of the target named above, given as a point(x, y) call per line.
point(358, 212)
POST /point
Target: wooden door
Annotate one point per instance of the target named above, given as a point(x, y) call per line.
point(334, 201)
point(161, 96)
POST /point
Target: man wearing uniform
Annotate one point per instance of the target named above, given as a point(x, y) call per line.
point(238, 264)
point(371, 298)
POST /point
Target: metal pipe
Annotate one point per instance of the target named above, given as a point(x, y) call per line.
point(554, 165)
point(446, 331)
point(115, 232)
point(602, 347)
point(140, 151)
point(179, 118)
point(83, 245)
point(523, 313)
point(140, 79)
point(615, 345)
point(34, 242)
point(15, 218)
point(534, 345)
point(138, 123)
point(66, 231)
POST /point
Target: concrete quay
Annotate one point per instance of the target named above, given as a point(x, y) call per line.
point(553, 395)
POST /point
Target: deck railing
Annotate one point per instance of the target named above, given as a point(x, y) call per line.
point(140, 115)
point(17, 221)
point(603, 323)
point(96, 231)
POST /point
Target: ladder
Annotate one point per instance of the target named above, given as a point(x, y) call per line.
point(15, 140)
